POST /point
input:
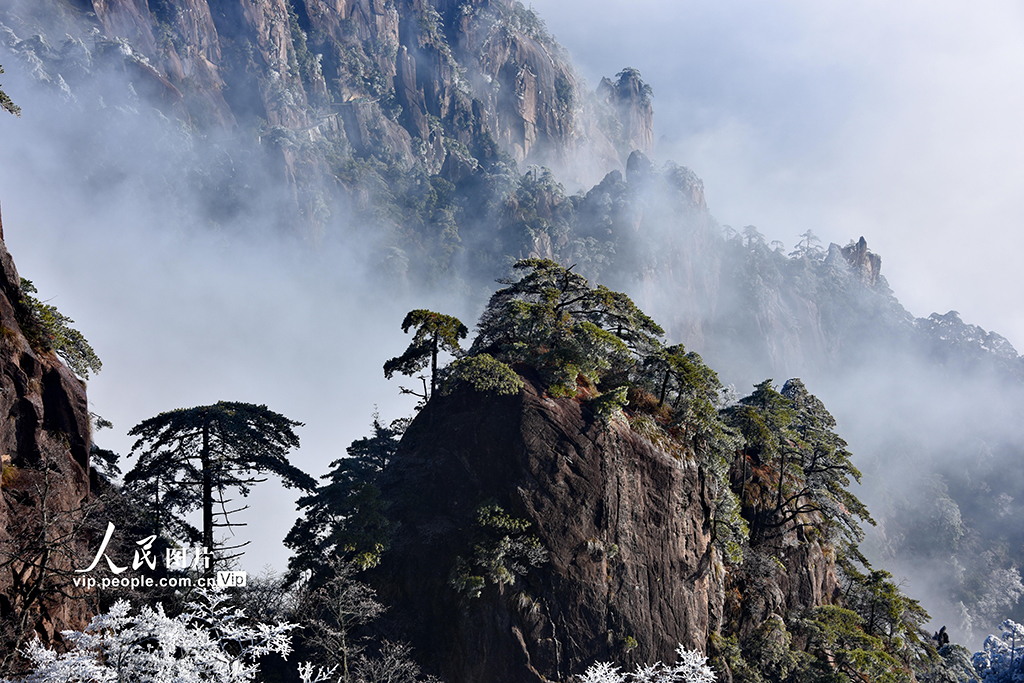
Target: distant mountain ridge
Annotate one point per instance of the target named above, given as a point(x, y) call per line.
point(434, 84)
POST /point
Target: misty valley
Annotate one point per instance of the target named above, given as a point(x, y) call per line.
point(384, 297)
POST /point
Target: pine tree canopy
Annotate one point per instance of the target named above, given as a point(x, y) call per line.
point(435, 332)
point(191, 458)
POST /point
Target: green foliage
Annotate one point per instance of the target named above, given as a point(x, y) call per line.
point(553, 320)
point(345, 516)
point(49, 329)
point(794, 469)
point(884, 610)
point(5, 102)
point(502, 551)
point(8, 474)
point(593, 339)
point(792, 474)
point(837, 639)
point(537, 214)
point(430, 25)
point(484, 374)
point(873, 633)
point(529, 22)
point(435, 332)
point(692, 392)
point(835, 648)
point(629, 79)
point(609, 405)
point(766, 655)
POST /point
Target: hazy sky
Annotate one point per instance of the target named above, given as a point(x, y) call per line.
point(181, 319)
point(96, 212)
point(901, 122)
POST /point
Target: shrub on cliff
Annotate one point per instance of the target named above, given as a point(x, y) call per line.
point(484, 374)
point(48, 329)
point(502, 551)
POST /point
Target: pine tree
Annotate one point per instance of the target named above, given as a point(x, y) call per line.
point(552, 319)
point(435, 332)
point(190, 458)
point(793, 464)
point(344, 517)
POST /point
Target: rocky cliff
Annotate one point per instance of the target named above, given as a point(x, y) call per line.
point(435, 85)
point(44, 441)
point(630, 97)
point(629, 570)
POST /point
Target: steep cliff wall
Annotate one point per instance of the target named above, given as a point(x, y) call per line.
point(630, 97)
point(44, 441)
point(391, 78)
point(630, 569)
point(623, 523)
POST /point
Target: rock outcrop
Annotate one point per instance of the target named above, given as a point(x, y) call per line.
point(624, 525)
point(631, 568)
point(630, 97)
point(866, 265)
point(44, 442)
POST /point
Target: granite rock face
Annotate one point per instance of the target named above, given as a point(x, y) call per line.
point(630, 97)
point(410, 81)
point(630, 572)
point(624, 525)
point(44, 442)
point(867, 265)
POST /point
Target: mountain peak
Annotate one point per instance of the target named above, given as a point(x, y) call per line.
point(867, 265)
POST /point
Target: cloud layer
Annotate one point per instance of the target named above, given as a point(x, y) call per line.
point(899, 123)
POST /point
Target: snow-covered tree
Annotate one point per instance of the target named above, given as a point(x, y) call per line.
point(1001, 659)
point(343, 604)
point(808, 246)
point(690, 667)
point(209, 641)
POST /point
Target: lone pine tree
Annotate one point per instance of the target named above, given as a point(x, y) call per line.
point(190, 458)
point(435, 332)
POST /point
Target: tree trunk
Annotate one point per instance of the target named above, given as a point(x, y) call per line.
point(782, 475)
point(433, 364)
point(207, 500)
